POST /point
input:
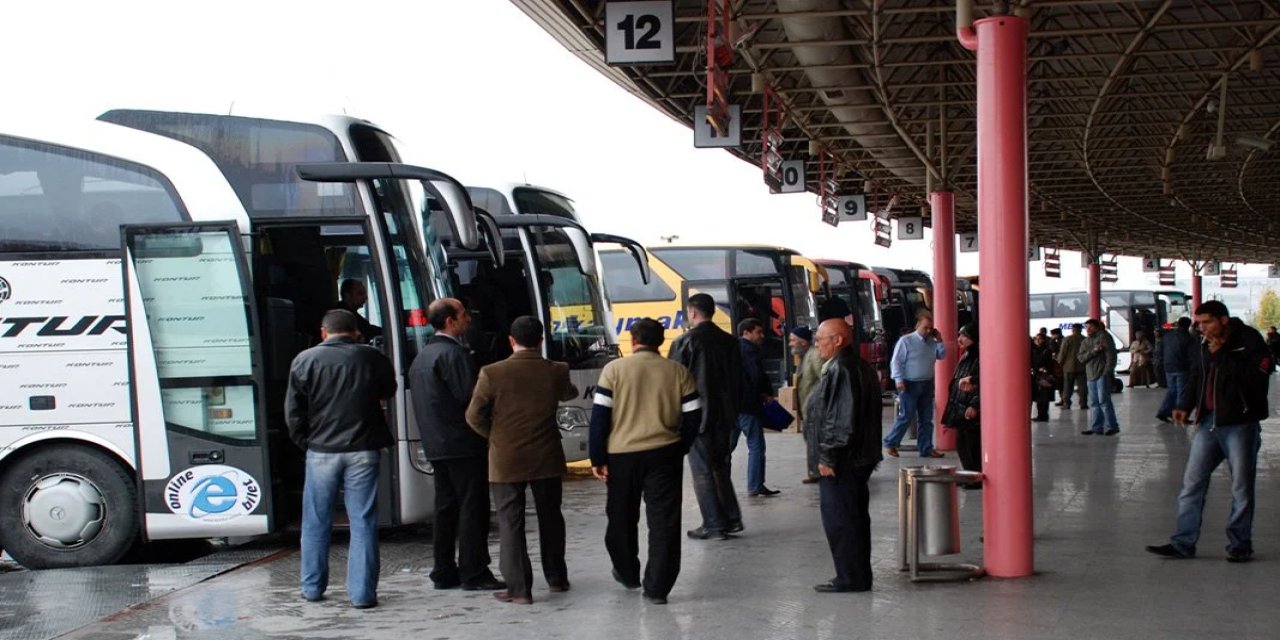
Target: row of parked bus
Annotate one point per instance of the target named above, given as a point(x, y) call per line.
point(159, 271)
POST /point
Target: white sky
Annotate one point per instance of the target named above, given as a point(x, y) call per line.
point(472, 87)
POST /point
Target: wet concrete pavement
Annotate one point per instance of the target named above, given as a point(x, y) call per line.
point(1098, 502)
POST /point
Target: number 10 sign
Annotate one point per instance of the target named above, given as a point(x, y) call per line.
point(639, 32)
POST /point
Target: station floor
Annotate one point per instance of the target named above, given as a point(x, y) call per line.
point(1099, 500)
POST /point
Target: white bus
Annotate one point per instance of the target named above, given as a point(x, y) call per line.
point(151, 302)
point(552, 272)
point(1124, 311)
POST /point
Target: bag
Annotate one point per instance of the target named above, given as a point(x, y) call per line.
point(776, 417)
point(1045, 381)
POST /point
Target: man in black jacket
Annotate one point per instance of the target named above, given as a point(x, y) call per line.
point(1177, 350)
point(756, 390)
point(441, 381)
point(708, 352)
point(1227, 387)
point(334, 412)
point(845, 408)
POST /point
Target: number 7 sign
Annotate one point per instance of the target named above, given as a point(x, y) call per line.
point(639, 32)
point(968, 242)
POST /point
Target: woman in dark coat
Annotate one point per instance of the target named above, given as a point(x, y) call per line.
point(962, 403)
point(1042, 361)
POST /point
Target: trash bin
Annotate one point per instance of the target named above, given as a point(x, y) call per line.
point(939, 513)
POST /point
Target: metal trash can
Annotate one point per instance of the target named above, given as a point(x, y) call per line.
point(939, 513)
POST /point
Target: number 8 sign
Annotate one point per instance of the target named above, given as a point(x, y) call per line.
point(911, 228)
point(639, 32)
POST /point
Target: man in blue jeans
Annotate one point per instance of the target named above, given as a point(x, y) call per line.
point(1098, 355)
point(1177, 348)
point(334, 412)
point(1226, 386)
point(756, 391)
point(912, 370)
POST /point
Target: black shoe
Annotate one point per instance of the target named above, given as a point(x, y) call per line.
point(489, 584)
point(315, 598)
point(810, 480)
point(1165, 419)
point(831, 587)
point(364, 605)
point(1170, 551)
point(764, 492)
point(1110, 432)
point(630, 585)
point(652, 599)
point(1239, 555)
point(446, 585)
point(1087, 432)
point(703, 533)
point(558, 588)
point(1040, 419)
point(734, 527)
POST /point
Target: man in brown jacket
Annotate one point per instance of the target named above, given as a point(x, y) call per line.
point(514, 407)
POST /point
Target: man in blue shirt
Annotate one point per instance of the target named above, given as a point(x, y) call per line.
point(912, 370)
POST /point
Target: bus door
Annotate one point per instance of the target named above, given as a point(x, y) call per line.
point(766, 300)
point(196, 381)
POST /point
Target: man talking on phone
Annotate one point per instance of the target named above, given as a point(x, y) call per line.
point(912, 370)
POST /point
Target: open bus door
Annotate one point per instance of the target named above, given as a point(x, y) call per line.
point(196, 381)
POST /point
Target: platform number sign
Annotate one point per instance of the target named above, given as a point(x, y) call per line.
point(968, 242)
point(1150, 264)
point(852, 208)
point(705, 136)
point(639, 32)
point(1273, 271)
point(911, 228)
point(1033, 253)
point(793, 178)
point(1212, 268)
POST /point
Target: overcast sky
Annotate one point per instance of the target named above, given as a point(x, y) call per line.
point(473, 88)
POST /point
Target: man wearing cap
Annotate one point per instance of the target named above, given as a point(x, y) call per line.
point(807, 375)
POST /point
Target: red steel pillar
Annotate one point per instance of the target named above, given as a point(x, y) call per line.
point(1005, 388)
point(1095, 289)
point(1196, 291)
point(945, 314)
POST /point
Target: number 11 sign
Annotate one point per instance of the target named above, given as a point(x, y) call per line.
point(639, 32)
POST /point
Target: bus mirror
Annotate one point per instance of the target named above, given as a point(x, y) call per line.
point(451, 194)
point(634, 248)
point(492, 238)
point(457, 204)
point(582, 247)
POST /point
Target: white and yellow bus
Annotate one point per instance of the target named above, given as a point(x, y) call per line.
point(774, 284)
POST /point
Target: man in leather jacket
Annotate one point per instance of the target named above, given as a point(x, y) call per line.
point(846, 410)
point(709, 352)
point(334, 412)
point(1226, 386)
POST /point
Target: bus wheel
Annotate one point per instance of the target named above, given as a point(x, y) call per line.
point(67, 506)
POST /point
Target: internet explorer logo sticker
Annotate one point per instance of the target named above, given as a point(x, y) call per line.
point(212, 493)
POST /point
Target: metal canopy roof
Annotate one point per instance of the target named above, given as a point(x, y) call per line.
point(1124, 101)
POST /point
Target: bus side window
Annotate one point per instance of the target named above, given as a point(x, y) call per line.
point(56, 200)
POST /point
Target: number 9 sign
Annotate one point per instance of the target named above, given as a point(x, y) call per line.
point(852, 208)
point(639, 32)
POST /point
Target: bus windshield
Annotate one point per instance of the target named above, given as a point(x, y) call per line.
point(576, 318)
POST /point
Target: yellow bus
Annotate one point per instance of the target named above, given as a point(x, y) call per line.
point(774, 284)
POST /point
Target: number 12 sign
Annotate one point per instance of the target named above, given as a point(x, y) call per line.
point(639, 32)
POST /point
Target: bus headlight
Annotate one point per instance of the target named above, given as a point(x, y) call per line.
point(418, 458)
point(570, 418)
